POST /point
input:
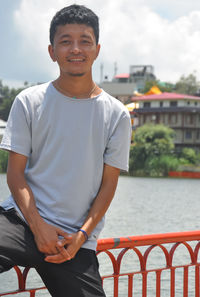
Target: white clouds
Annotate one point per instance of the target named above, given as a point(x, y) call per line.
point(139, 35)
point(32, 21)
point(132, 32)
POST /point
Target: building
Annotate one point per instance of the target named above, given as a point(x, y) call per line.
point(120, 90)
point(131, 107)
point(178, 111)
point(123, 86)
point(139, 74)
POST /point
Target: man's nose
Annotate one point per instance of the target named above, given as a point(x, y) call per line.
point(75, 48)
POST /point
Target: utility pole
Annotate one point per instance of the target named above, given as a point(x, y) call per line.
point(101, 73)
point(115, 69)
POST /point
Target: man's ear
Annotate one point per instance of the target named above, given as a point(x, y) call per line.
point(51, 52)
point(98, 50)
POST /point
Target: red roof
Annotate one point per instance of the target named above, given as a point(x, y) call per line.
point(122, 75)
point(165, 96)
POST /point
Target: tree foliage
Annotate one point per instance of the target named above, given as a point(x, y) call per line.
point(155, 139)
point(152, 152)
point(7, 96)
point(187, 85)
point(189, 155)
point(3, 161)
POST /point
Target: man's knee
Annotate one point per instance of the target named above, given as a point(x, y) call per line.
point(17, 245)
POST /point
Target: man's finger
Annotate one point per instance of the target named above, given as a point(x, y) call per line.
point(59, 258)
point(63, 233)
point(64, 241)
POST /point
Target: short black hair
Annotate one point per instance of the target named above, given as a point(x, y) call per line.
point(75, 14)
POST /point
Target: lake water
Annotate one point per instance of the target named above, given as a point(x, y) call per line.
point(140, 206)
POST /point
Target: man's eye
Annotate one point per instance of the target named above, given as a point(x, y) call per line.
point(65, 41)
point(86, 41)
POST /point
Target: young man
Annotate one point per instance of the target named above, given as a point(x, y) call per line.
point(67, 141)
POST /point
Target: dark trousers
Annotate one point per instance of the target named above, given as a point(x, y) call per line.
point(78, 277)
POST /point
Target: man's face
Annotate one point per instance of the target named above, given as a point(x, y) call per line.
point(74, 49)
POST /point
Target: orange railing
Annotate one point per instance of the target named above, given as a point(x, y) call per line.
point(174, 257)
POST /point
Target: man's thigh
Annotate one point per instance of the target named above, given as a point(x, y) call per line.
point(17, 245)
point(78, 277)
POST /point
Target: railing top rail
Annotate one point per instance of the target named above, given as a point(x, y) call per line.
point(143, 240)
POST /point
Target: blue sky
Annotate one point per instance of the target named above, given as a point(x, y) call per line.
point(165, 34)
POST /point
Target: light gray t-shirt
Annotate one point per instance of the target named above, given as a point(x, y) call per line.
point(67, 141)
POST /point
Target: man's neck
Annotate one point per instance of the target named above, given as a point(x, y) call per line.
point(78, 87)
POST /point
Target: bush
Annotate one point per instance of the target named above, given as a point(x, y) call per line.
point(152, 153)
point(160, 166)
point(137, 158)
point(190, 155)
point(153, 144)
point(3, 161)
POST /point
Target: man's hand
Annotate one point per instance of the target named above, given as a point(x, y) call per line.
point(47, 238)
point(67, 251)
point(97, 211)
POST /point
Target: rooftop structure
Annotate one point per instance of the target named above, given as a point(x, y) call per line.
point(124, 85)
point(140, 74)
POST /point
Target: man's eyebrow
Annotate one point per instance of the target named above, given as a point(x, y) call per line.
point(86, 36)
point(65, 36)
point(68, 36)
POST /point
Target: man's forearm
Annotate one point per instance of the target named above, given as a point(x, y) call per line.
point(103, 198)
point(24, 198)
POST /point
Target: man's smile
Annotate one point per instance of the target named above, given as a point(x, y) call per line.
point(76, 60)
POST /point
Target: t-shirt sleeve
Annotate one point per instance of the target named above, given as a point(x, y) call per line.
point(17, 135)
point(118, 146)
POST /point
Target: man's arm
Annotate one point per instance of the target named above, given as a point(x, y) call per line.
point(97, 211)
point(103, 199)
point(46, 235)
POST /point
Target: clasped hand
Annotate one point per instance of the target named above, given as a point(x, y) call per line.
point(57, 245)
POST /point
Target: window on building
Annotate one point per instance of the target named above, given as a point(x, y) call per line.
point(198, 134)
point(175, 135)
point(195, 103)
point(188, 134)
point(161, 104)
point(173, 119)
point(166, 119)
point(189, 119)
point(188, 103)
point(153, 117)
point(147, 104)
point(173, 103)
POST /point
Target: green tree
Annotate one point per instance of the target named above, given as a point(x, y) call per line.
point(7, 96)
point(161, 165)
point(187, 85)
point(3, 161)
point(156, 139)
point(151, 144)
point(190, 155)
